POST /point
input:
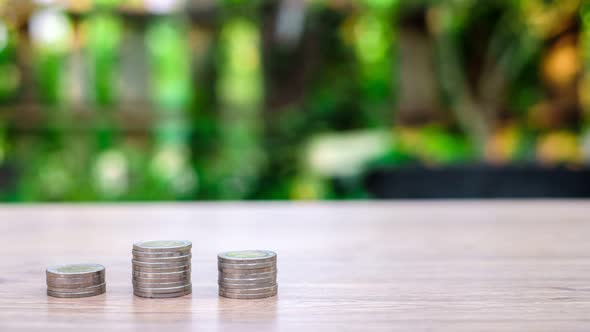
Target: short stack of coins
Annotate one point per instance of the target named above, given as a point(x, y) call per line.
point(162, 269)
point(247, 274)
point(76, 280)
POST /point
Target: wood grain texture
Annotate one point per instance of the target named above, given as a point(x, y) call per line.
point(403, 266)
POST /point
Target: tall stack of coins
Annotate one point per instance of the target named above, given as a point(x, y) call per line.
point(76, 280)
point(247, 274)
point(162, 269)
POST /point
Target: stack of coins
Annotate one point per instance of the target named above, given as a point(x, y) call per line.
point(76, 280)
point(247, 274)
point(162, 269)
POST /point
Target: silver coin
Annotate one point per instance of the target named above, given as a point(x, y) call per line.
point(246, 296)
point(242, 272)
point(99, 279)
point(161, 284)
point(249, 290)
point(247, 256)
point(164, 282)
point(163, 290)
point(161, 279)
point(161, 270)
point(159, 276)
point(165, 275)
point(76, 295)
point(72, 286)
point(186, 258)
point(76, 290)
point(248, 275)
point(75, 270)
point(247, 279)
point(160, 254)
point(253, 266)
point(95, 276)
point(161, 265)
point(161, 296)
point(245, 286)
point(162, 246)
point(144, 281)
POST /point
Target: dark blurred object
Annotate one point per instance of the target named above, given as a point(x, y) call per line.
point(7, 180)
point(478, 182)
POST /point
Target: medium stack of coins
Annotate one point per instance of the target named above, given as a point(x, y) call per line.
point(162, 269)
point(76, 280)
point(247, 274)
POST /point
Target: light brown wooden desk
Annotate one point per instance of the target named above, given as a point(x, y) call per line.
point(407, 266)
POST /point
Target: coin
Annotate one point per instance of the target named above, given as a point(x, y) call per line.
point(75, 270)
point(160, 265)
point(76, 290)
point(247, 278)
point(244, 266)
point(72, 286)
point(161, 279)
point(165, 275)
point(160, 254)
point(248, 274)
point(258, 290)
point(72, 295)
point(160, 284)
point(145, 283)
point(162, 246)
point(163, 290)
point(247, 256)
point(246, 296)
point(163, 259)
point(95, 276)
point(243, 272)
point(161, 270)
point(244, 285)
point(97, 279)
point(77, 294)
point(161, 296)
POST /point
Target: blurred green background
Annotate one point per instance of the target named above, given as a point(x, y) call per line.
point(143, 100)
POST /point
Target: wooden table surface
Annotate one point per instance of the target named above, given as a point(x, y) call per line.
point(407, 266)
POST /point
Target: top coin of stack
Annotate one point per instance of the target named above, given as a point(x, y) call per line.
point(162, 269)
point(75, 280)
point(247, 274)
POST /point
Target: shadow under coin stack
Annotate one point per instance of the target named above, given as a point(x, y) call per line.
point(162, 269)
point(247, 274)
point(76, 280)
